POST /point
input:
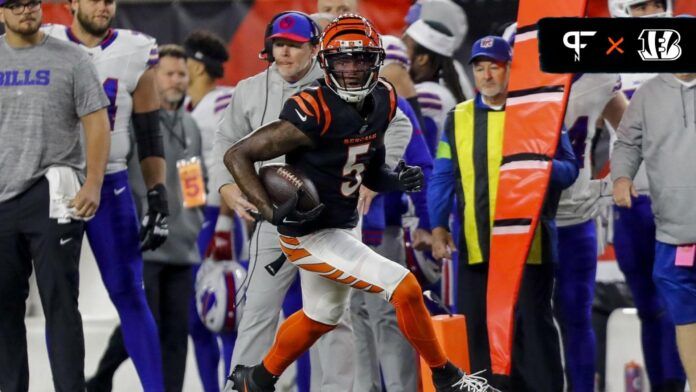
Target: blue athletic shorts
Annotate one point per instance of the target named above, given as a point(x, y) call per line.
point(676, 284)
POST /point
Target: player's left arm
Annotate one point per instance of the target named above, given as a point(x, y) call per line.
point(380, 177)
point(270, 141)
point(146, 105)
point(396, 140)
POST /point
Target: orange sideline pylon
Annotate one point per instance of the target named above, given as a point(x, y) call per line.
point(451, 334)
point(534, 114)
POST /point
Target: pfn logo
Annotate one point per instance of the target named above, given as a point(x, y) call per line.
point(660, 45)
point(576, 44)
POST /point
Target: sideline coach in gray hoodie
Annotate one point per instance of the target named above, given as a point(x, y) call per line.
point(659, 127)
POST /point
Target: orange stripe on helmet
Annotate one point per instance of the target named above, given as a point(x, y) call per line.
point(350, 27)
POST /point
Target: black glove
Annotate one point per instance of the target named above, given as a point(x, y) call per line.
point(154, 228)
point(410, 177)
point(287, 214)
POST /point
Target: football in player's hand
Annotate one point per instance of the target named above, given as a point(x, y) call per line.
point(282, 181)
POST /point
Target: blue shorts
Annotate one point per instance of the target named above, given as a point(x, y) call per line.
point(676, 284)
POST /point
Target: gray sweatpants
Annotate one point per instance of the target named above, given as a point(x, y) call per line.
point(379, 342)
point(264, 298)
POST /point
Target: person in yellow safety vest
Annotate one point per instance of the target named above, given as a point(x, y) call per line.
point(467, 164)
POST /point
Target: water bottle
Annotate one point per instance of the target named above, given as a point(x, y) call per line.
point(633, 376)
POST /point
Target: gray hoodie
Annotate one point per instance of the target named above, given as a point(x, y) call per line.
point(259, 99)
point(659, 127)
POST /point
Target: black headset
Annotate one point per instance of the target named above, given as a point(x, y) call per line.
point(267, 52)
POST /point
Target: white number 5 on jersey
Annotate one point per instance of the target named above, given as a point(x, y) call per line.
point(354, 170)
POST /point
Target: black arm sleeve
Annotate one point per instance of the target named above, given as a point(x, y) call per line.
point(148, 135)
point(379, 176)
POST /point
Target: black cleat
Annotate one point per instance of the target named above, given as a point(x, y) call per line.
point(455, 380)
point(241, 380)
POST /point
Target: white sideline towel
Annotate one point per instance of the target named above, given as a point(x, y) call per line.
point(63, 185)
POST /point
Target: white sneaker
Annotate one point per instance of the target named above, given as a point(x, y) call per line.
point(474, 383)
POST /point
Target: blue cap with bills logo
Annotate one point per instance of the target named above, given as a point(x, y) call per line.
point(292, 26)
point(492, 47)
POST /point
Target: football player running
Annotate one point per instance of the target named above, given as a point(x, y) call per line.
point(334, 134)
point(124, 61)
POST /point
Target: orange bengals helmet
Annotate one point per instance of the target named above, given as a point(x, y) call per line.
point(351, 54)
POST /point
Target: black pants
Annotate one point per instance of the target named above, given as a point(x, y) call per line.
point(27, 233)
point(168, 289)
point(536, 355)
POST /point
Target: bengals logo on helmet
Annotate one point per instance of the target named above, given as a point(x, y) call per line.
point(351, 54)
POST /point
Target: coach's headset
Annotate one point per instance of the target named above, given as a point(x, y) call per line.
point(267, 52)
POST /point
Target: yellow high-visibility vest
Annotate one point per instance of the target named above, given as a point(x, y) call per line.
point(477, 147)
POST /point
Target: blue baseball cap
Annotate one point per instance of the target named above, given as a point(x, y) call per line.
point(492, 47)
point(292, 26)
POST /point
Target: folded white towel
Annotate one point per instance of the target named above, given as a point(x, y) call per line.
point(63, 185)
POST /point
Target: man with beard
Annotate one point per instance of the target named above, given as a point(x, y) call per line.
point(167, 270)
point(123, 60)
point(47, 88)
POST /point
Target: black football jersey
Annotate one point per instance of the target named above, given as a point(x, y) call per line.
point(345, 141)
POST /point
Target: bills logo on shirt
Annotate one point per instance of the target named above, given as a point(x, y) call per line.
point(25, 77)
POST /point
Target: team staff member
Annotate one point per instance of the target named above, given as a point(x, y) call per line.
point(659, 127)
point(634, 241)
point(468, 162)
point(124, 61)
point(167, 270)
point(47, 88)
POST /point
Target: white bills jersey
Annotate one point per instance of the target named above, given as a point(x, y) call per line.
point(121, 59)
point(629, 84)
point(208, 114)
point(435, 101)
point(589, 94)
